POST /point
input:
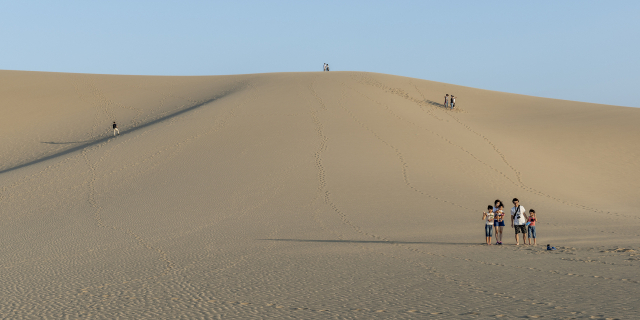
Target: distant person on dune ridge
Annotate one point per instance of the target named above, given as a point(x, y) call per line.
point(518, 220)
point(453, 102)
point(446, 101)
point(324, 66)
point(115, 129)
point(327, 67)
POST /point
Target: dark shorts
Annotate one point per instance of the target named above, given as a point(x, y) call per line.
point(521, 229)
point(498, 224)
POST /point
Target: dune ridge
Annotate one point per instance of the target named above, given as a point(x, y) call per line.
point(309, 195)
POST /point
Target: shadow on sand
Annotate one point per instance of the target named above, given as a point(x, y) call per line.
point(435, 104)
point(70, 142)
point(89, 143)
point(376, 241)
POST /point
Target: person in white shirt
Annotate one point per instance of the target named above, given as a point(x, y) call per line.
point(488, 226)
point(324, 66)
point(519, 220)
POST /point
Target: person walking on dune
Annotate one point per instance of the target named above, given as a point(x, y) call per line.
point(446, 101)
point(518, 220)
point(453, 102)
point(115, 129)
point(324, 66)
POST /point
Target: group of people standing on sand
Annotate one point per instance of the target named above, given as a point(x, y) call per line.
point(449, 101)
point(325, 67)
point(520, 221)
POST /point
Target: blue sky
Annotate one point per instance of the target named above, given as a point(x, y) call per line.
point(575, 50)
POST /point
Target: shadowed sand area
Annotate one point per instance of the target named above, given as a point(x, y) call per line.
point(309, 196)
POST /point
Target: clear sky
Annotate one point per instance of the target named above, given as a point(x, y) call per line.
point(575, 50)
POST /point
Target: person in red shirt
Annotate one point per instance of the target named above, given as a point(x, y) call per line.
point(531, 230)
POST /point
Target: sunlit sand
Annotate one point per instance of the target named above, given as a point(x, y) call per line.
point(310, 196)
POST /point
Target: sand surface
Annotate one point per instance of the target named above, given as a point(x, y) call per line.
point(322, 195)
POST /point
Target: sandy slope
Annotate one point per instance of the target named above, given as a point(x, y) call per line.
point(308, 196)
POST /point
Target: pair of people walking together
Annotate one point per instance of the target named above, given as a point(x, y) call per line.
point(449, 101)
point(520, 221)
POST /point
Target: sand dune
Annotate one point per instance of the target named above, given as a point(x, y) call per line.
point(309, 196)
